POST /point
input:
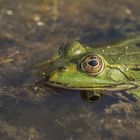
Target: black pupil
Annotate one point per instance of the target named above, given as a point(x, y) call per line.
point(93, 63)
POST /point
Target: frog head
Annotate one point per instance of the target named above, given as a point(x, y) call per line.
point(79, 67)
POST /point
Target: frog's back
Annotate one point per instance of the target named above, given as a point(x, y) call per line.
point(125, 52)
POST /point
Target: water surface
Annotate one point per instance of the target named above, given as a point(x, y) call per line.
point(32, 31)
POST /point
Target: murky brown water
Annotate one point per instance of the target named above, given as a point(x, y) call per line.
point(32, 31)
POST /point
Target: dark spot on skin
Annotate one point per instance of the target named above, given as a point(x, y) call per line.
point(138, 45)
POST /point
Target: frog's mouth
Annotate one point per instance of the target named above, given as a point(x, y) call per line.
point(103, 87)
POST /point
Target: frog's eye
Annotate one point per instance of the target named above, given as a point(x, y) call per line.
point(92, 64)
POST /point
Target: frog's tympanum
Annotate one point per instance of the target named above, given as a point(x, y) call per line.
point(95, 71)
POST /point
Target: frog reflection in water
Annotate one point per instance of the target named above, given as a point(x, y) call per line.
point(108, 69)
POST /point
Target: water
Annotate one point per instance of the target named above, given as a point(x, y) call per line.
point(32, 31)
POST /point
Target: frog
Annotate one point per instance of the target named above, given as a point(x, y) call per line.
point(98, 70)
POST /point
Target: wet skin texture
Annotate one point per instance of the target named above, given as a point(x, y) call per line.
point(95, 71)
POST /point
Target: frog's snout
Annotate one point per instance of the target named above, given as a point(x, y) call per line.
point(56, 75)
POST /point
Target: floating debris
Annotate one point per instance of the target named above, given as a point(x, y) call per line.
point(9, 12)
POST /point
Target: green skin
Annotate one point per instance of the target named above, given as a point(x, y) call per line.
point(120, 69)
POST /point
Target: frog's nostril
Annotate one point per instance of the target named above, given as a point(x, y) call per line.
point(62, 69)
